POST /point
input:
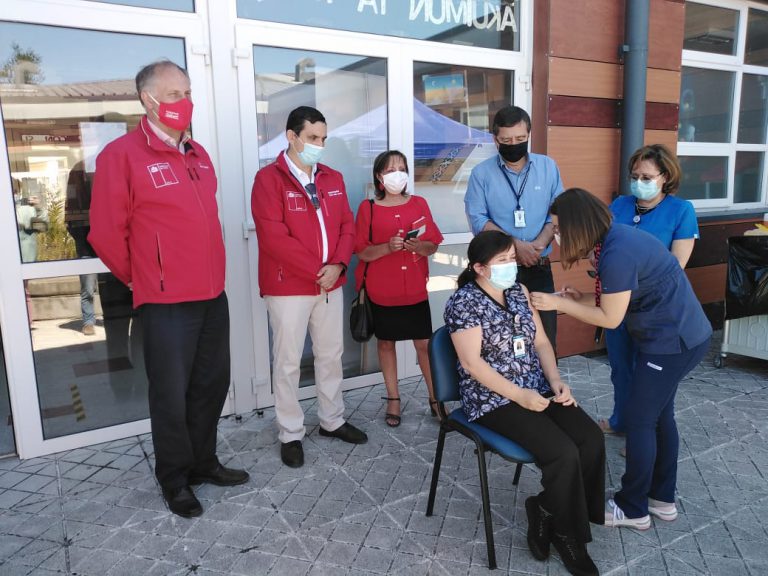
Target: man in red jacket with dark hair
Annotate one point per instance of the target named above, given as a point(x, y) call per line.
point(155, 224)
point(306, 233)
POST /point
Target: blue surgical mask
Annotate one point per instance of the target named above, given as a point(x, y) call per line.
point(503, 276)
point(644, 190)
point(311, 154)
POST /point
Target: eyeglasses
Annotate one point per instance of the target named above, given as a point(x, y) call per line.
point(644, 178)
point(312, 191)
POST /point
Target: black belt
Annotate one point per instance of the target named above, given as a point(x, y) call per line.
point(541, 262)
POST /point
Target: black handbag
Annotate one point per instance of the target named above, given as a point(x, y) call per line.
point(361, 313)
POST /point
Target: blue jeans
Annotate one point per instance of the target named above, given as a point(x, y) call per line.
point(621, 355)
point(652, 439)
point(87, 290)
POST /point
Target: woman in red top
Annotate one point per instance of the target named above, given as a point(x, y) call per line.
point(403, 236)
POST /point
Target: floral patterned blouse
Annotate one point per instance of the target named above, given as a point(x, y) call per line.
point(508, 335)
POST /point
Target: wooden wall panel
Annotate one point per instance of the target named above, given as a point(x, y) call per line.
point(576, 277)
point(665, 35)
point(591, 30)
point(571, 77)
point(666, 137)
point(712, 246)
point(661, 116)
point(574, 337)
point(577, 111)
point(662, 86)
point(708, 282)
point(587, 157)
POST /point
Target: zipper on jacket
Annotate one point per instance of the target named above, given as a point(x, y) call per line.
point(193, 176)
point(280, 274)
point(160, 262)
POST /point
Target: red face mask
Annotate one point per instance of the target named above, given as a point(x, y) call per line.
point(175, 115)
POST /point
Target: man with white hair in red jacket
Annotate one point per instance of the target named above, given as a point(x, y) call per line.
point(155, 224)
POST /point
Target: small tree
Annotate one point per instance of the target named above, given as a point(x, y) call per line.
point(23, 67)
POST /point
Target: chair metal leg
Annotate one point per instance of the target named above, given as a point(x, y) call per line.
point(486, 508)
point(517, 474)
point(436, 471)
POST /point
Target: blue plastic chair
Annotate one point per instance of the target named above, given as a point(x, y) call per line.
point(445, 379)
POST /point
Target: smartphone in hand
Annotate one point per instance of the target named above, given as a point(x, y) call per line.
point(412, 234)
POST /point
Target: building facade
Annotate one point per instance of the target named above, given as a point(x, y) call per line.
point(421, 76)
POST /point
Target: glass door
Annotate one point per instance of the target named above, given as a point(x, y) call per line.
point(351, 89)
point(67, 91)
point(436, 108)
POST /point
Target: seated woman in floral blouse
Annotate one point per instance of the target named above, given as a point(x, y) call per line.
point(509, 382)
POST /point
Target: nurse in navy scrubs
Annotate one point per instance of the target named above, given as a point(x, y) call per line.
point(642, 283)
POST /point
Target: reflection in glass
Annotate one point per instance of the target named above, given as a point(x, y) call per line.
point(453, 113)
point(756, 51)
point(445, 265)
point(86, 381)
point(753, 109)
point(62, 102)
point(710, 29)
point(748, 176)
point(351, 92)
point(706, 104)
point(487, 23)
point(704, 177)
point(7, 443)
point(176, 5)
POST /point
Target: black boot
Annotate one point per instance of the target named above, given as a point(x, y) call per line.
point(574, 556)
point(538, 528)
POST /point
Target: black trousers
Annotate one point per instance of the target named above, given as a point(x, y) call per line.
point(539, 279)
point(569, 448)
point(186, 352)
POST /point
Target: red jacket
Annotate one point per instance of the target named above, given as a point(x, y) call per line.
point(155, 221)
point(288, 229)
point(399, 278)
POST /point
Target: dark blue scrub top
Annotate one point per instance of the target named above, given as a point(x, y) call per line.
point(663, 309)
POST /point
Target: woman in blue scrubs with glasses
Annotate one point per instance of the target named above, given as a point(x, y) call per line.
point(642, 283)
point(655, 177)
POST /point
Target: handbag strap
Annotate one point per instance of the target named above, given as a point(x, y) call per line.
point(370, 239)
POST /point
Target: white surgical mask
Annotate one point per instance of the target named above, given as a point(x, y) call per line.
point(311, 154)
point(503, 276)
point(395, 182)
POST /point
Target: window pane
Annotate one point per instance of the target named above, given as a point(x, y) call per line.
point(62, 102)
point(710, 29)
point(756, 52)
point(753, 110)
point(453, 110)
point(177, 5)
point(445, 265)
point(7, 443)
point(704, 177)
point(351, 92)
point(706, 103)
point(86, 381)
point(749, 175)
point(487, 24)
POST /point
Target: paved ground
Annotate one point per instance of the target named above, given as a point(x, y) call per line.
point(360, 510)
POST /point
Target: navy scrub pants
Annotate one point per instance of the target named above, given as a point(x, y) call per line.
point(621, 355)
point(186, 352)
point(652, 439)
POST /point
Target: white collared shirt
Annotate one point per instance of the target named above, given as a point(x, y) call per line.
point(303, 179)
point(167, 139)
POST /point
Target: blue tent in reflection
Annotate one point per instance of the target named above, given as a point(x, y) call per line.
point(436, 136)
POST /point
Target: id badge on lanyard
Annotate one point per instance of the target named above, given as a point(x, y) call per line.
point(519, 213)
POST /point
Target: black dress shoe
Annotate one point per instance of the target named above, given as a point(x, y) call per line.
point(221, 476)
point(538, 528)
point(292, 454)
point(574, 556)
point(182, 501)
point(347, 433)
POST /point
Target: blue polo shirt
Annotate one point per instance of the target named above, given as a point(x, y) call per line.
point(672, 219)
point(663, 310)
point(493, 189)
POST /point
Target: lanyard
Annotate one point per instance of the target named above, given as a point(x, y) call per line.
point(522, 186)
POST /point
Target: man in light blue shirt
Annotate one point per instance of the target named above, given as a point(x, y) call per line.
point(512, 192)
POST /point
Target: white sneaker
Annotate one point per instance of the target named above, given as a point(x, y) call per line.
point(614, 516)
point(662, 510)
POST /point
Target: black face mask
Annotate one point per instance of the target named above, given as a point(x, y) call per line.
point(513, 152)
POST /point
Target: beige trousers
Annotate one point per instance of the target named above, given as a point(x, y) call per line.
point(289, 318)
